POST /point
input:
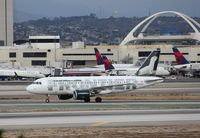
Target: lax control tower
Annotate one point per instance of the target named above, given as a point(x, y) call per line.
point(6, 22)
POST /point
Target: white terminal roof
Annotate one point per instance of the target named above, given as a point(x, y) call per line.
point(44, 37)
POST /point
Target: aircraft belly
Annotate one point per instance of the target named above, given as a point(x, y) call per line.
point(63, 92)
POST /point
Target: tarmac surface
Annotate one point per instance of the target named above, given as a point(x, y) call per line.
point(34, 106)
point(99, 118)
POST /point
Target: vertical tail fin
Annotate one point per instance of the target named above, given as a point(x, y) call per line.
point(98, 57)
point(107, 64)
point(150, 65)
point(180, 59)
point(139, 62)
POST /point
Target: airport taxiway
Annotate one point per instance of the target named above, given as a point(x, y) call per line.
point(31, 112)
point(8, 106)
point(16, 99)
point(99, 118)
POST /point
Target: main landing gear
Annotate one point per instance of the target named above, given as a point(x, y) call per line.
point(87, 99)
point(47, 99)
point(98, 100)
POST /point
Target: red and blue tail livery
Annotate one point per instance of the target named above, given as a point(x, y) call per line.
point(107, 64)
point(180, 59)
point(98, 57)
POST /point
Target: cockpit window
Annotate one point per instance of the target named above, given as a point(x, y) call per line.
point(37, 82)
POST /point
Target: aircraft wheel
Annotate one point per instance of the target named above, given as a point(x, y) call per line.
point(47, 100)
point(87, 99)
point(98, 100)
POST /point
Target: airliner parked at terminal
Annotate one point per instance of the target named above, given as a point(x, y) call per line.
point(183, 65)
point(82, 88)
point(19, 74)
point(84, 72)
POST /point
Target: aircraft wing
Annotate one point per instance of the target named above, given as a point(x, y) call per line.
point(97, 90)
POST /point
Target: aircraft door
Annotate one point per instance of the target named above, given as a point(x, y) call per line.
point(55, 88)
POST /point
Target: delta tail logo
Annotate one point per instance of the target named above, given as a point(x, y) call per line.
point(180, 59)
point(98, 57)
point(107, 64)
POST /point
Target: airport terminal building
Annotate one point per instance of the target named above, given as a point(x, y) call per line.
point(75, 56)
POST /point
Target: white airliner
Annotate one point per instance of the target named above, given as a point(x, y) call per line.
point(16, 73)
point(29, 74)
point(183, 65)
point(132, 71)
point(82, 88)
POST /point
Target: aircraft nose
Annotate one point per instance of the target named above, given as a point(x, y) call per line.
point(29, 88)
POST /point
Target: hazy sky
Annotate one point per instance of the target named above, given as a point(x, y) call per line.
point(105, 8)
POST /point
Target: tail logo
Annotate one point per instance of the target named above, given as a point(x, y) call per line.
point(150, 65)
point(98, 57)
point(180, 59)
point(107, 64)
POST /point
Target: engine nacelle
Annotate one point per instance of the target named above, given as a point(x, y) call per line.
point(65, 96)
point(81, 95)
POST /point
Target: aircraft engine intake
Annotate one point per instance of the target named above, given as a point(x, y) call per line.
point(81, 95)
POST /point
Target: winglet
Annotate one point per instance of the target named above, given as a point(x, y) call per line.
point(180, 59)
point(107, 64)
point(150, 65)
point(98, 57)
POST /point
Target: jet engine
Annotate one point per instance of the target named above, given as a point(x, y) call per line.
point(81, 95)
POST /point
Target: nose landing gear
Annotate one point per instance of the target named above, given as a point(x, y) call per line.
point(47, 99)
point(98, 100)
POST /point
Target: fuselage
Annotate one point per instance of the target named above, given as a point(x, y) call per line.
point(105, 84)
point(120, 70)
point(117, 66)
point(29, 74)
point(187, 67)
point(132, 71)
point(183, 67)
point(20, 73)
point(85, 70)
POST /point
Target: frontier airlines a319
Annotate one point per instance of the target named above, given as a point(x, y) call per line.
point(82, 88)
